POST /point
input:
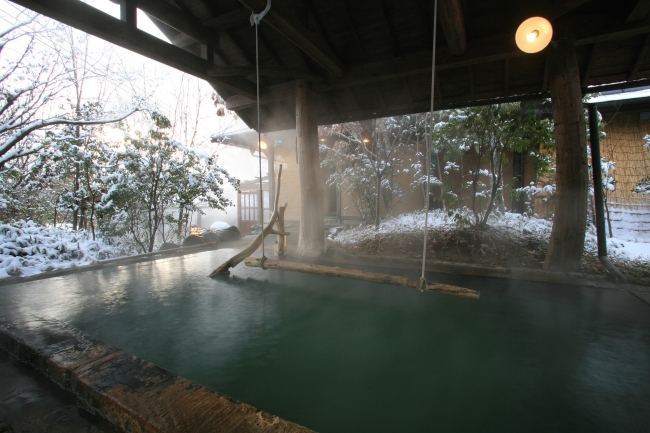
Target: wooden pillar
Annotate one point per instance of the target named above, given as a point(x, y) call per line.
point(311, 241)
point(129, 12)
point(571, 176)
point(270, 158)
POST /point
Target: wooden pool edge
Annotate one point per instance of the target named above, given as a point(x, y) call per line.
point(131, 393)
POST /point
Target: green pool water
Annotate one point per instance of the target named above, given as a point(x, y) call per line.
point(345, 356)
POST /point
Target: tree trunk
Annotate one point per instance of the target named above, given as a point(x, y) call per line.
point(568, 234)
point(378, 201)
point(179, 228)
point(311, 241)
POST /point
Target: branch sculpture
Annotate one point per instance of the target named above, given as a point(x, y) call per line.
point(278, 214)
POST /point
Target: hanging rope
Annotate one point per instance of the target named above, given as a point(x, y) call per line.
point(423, 281)
point(256, 19)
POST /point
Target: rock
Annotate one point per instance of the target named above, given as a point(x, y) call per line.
point(211, 237)
point(230, 234)
point(219, 225)
point(167, 246)
point(193, 240)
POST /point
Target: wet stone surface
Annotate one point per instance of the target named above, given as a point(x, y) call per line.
point(32, 403)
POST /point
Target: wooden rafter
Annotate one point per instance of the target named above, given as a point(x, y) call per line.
point(179, 20)
point(95, 22)
point(506, 73)
point(453, 25)
point(639, 12)
point(639, 58)
point(593, 52)
point(383, 19)
point(299, 35)
point(351, 26)
point(564, 8)
point(470, 73)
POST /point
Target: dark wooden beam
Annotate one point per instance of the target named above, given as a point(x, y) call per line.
point(407, 90)
point(265, 71)
point(265, 46)
point(180, 20)
point(226, 39)
point(129, 12)
point(639, 12)
point(95, 22)
point(230, 20)
point(547, 71)
point(639, 58)
point(470, 73)
point(388, 29)
point(566, 7)
point(299, 35)
point(506, 72)
point(453, 24)
point(377, 90)
point(352, 27)
point(588, 68)
point(270, 94)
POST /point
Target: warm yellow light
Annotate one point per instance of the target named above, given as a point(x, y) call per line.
point(534, 34)
point(365, 140)
point(263, 145)
point(322, 139)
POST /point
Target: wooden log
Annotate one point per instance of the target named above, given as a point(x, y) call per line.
point(567, 240)
point(354, 274)
point(238, 258)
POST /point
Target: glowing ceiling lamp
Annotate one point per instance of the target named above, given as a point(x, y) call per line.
point(263, 145)
point(534, 34)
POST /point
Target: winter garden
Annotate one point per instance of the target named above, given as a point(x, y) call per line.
point(94, 168)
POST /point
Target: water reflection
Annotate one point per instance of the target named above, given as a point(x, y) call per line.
point(344, 356)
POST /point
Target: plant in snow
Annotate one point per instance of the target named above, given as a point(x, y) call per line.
point(365, 160)
point(485, 134)
point(153, 173)
point(27, 248)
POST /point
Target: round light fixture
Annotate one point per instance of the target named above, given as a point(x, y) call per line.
point(263, 145)
point(534, 34)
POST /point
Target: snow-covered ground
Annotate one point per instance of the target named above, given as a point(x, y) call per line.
point(626, 244)
point(28, 249)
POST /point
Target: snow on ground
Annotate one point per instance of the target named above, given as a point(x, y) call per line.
point(626, 245)
point(28, 249)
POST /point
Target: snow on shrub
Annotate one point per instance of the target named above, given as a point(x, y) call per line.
point(27, 248)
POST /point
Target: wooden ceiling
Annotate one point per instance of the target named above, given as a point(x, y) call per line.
point(372, 58)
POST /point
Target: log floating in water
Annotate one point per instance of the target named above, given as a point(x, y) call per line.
point(361, 275)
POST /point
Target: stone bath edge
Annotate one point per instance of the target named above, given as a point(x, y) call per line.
point(131, 393)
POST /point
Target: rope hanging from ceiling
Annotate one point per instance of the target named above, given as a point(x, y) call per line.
point(429, 142)
point(256, 19)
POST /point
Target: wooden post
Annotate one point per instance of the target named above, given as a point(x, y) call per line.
point(129, 12)
point(311, 241)
point(270, 158)
point(571, 177)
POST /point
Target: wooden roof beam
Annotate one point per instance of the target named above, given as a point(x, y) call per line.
point(299, 35)
point(566, 7)
point(181, 21)
point(453, 24)
point(639, 58)
point(639, 12)
point(97, 23)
